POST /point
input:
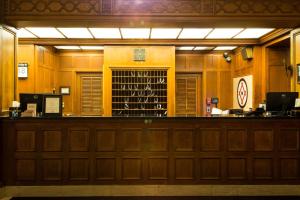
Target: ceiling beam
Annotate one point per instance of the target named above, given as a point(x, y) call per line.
point(181, 42)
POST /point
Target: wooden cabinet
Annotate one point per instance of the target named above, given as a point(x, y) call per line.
point(188, 94)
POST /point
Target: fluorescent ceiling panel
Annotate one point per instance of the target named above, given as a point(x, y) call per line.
point(106, 33)
point(68, 47)
point(92, 47)
point(23, 33)
point(194, 33)
point(165, 33)
point(135, 33)
point(224, 48)
point(75, 32)
point(185, 48)
point(224, 33)
point(48, 32)
point(203, 48)
point(254, 32)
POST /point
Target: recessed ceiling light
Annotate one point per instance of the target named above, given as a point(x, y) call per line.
point(135, 33)
point(92, 47)
point(75, 32)
point(106, 33)
point(23, 33)
point(224, 33)
point(203, 48)
point(224, 48)
point(165, 33)
point(68, 47)
point(184, 48)
point(48, 32)
point(254, 32)
point(194, 33)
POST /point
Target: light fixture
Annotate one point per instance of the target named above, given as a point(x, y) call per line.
point(23, 33)
point(106, 33)
point(227, 57)
point(165, 33)
point(224, 33)
point(135, 33)
point(75, 32)
point(194, 33)
point(92, 47)
point(203, 48)
point(67, 47)
point(45, 32)
point(254, 32)
point(225, 48)
point(184, 48)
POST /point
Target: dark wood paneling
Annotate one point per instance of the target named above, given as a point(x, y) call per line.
point(131, 140)
point(210, 168)
point(263, 168)
point(52, 141)
point(158, 168)
point(210, 140)
point(105, 140)
point(25, 141)
point(237, 140)
point(263, 140)
point(79, 169)
point(236, 168)
point(52, 169)
point(105, 168)
point(184, 169)
point(184, 140)
point(158, 139)
point(289, 168)
point(289, 140)
point(165, 151)
point(78, 139)
point(132, 169)
point(25, 170)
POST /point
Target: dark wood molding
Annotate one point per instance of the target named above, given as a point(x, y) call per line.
point(154, 13)
point(210, 42)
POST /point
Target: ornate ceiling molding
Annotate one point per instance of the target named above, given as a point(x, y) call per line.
point(187, 11)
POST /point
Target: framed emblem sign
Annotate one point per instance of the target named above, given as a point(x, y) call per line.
point(243, 92)
point(22, 70)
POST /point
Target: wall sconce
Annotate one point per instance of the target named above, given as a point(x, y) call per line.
point(227, 57)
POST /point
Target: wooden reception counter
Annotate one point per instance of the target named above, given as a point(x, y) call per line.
point(113, 150)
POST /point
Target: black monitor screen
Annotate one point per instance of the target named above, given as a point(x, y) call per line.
point(281, 101)
point(31, 99)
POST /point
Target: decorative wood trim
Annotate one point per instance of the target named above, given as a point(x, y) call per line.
point(275, 34)
point(153, 12)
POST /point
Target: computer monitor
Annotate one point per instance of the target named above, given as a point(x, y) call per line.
point(281, 102)
point(26, 99)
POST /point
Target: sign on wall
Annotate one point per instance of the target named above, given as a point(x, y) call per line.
point(243, 92)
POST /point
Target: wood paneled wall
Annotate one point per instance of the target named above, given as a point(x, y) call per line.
point(216, 75)
point(278, 59)
point(295, 58)
point(251, 67)
point(42, 69)
point(71, 66)
point(159, 57)
point(7, 68)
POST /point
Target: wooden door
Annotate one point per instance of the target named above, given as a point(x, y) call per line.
point(279, 78)
point(295, 57)
point(90, 94)
point(188, 94)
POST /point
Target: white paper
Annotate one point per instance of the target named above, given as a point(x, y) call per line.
point(297, 103)
point(52, 105)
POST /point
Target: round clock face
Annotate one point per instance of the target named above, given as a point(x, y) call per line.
point(242, 93)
